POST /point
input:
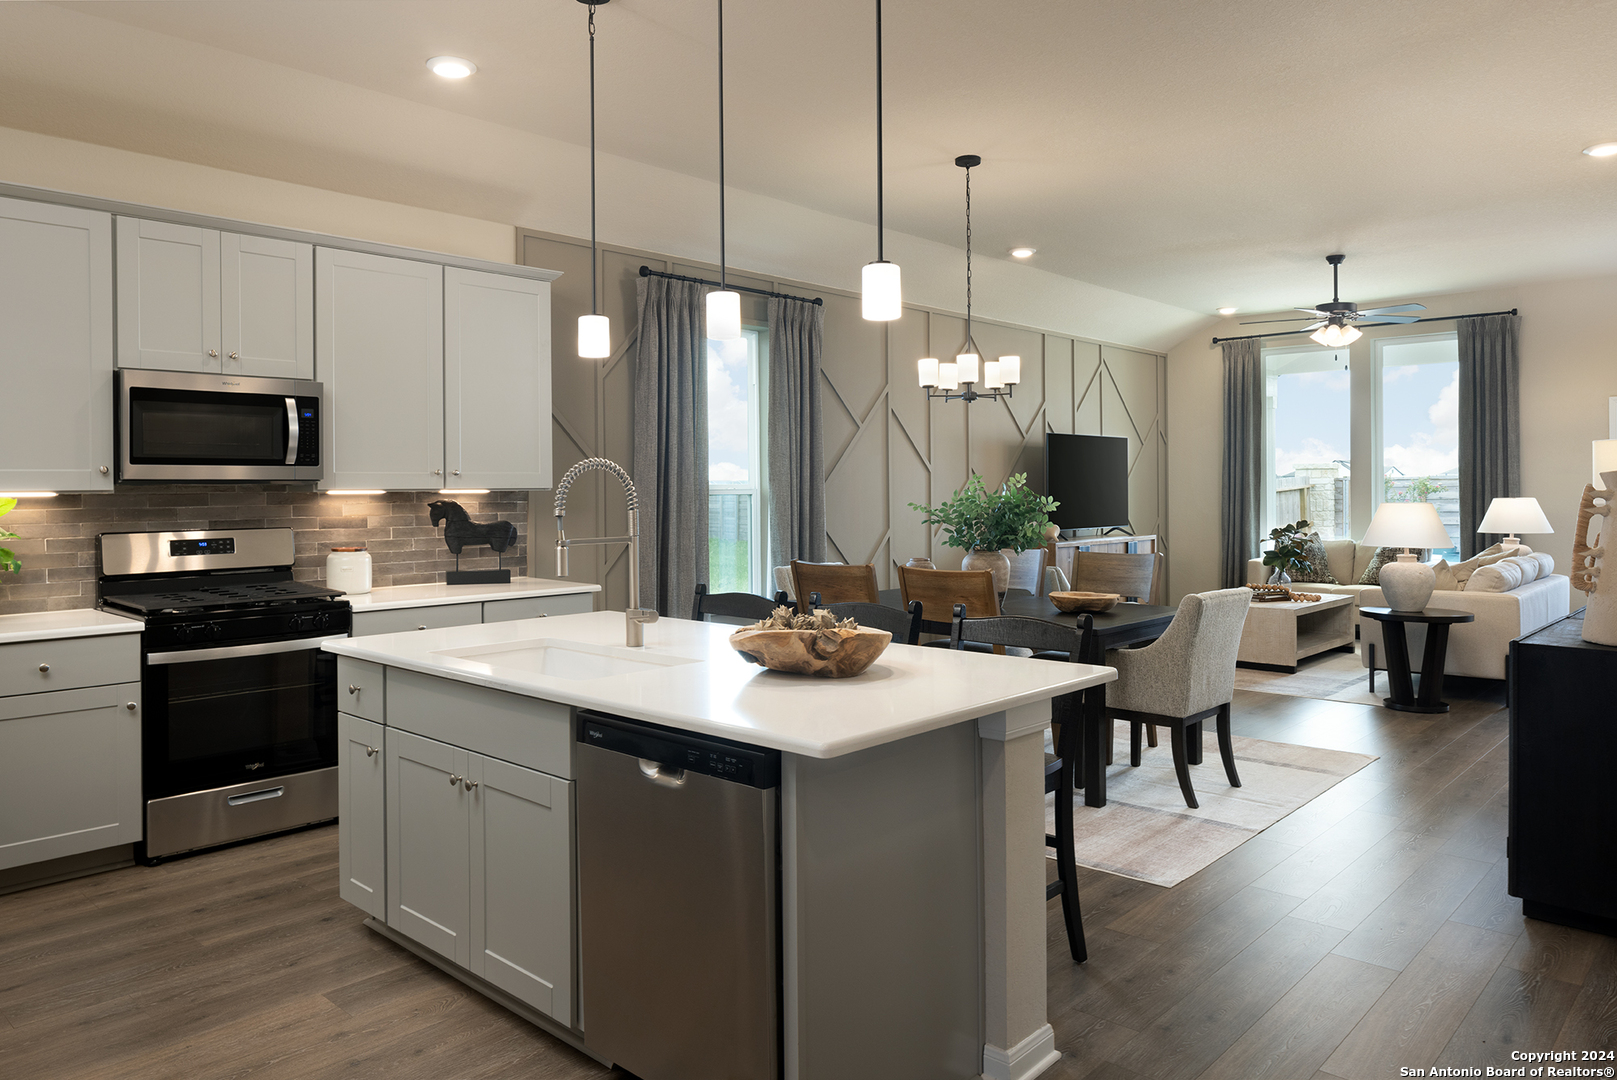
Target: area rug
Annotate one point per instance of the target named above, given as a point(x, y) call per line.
point(1333, 676)
point(1145, 831)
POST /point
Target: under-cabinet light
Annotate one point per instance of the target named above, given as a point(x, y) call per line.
point(463, 491)
point(27, 494)
point(356, 491)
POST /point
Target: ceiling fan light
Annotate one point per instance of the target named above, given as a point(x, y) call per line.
point(882, 295)
point(723, 315)
point(1010, 369)
point(926, 369)
point(1350, 334)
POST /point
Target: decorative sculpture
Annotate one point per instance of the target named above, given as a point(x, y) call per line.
point(461, 532)
point(1600, 614)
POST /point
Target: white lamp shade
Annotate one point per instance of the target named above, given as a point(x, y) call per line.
point(1334, 336)
point(882, 298)
point(991, 375)
point(1407, 525)
point(1605, 461)
point(1514, 516)
point(968, 366)
point(948, 375)
point(1010, 369)
point(927, 369)
point(594, 337)
point(723, 315)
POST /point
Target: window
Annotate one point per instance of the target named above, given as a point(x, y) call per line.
point(735, 463)
point(1308, 432)
point(1419, 404)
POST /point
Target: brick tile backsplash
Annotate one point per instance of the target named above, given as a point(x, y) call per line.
point(56, 541)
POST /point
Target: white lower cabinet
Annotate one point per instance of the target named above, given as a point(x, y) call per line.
point(479, 866)
point(362, 809)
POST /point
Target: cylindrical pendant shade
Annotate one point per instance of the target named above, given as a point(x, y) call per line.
point(723, 315)
point(948, 375)
point(968, 366)
point(594, 337)
point(882, 295)
point(927, 369)
point(1010, 369)
point(991, 375)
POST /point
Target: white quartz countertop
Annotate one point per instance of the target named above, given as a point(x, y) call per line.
point(46, 625)
point(688, 677)
point(409, 596)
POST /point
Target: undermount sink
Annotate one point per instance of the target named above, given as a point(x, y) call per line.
point(564, 659)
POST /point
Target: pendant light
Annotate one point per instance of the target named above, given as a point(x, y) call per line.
point(883, 297)
point(594, 329)
point(942, 379)
point(723, 304)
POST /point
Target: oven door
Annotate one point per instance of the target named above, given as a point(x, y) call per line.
point(238, 713)
point(180, 426)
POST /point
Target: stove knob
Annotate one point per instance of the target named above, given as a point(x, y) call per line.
point(188, 632)
point(297, 622)
point(213, 631)
point(322, 620)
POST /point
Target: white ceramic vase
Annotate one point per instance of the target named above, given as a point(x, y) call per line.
point(1407, 584)
point(997, 563)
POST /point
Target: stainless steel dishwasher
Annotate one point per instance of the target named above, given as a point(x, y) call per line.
point(678, 912)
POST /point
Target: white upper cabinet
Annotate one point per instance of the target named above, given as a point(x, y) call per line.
point(496, 380)
point(380, 357)
point(55, 347)
point(192, 299)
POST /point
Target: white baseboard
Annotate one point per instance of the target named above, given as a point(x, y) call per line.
point(1025, 1060)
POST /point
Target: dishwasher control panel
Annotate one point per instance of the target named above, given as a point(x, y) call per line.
point(705, 755)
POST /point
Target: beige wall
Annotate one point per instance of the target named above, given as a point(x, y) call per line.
point(885, 446)
point(1569, 371)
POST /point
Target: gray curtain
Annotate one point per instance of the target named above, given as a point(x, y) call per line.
point(1490, 419)
point(1242, 486)
point(670, 443)
point(796, 440)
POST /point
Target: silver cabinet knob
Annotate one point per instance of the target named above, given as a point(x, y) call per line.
point(455, 778)
point(470, 784)
point(131, 706)
point(370, 751)
point(233, 356)
point(456, 472)
point(437, 472)
point(213, 352)
point(44, 668)
point(354, 689)
point(104, 470)
point(423, 626)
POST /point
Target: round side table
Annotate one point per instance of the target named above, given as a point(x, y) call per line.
point(1437, 623)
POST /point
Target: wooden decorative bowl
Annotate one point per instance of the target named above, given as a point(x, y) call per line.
point(833, 654)
point(1085, 601)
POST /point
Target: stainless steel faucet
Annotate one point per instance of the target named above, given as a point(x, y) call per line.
point(635, 618)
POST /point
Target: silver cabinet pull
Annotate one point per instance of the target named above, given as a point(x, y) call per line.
point(423, 626)
point(470, 784)
point(213, 352)
point(455, 778)
point(130, 706)
point(437, 472)
point(104, 470)
point(233, 356)
point(457, 472)
point(354, 689)
point(370, 751)
point(44, 669)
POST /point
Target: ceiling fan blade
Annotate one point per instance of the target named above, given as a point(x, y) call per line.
point(1393, 310)
point(1313, 326)
point(1259, 322)
point(1391, 318)
point(1311, 311)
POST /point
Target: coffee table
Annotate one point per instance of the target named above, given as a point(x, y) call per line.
point(1280, 634)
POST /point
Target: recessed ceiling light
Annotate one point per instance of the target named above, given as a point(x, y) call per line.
point(451, 67)
point(1605, 149)
point(1022, 252)
point(1228, 310)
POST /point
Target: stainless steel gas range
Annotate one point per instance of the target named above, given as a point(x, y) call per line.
point(239, 737)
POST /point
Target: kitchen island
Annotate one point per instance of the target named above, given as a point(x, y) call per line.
point(910, 882)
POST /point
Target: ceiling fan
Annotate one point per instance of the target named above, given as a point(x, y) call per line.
point(1334, 320)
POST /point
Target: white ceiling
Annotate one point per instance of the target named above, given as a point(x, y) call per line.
point(1197, 155)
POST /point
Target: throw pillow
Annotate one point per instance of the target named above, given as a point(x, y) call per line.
point(1318, 568)
point(1546, 563)
point(1464, 570)
point(1445, 577)
point(1501, 576)
point(1383, 556)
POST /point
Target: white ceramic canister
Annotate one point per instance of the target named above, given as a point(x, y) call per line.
point(348, 569)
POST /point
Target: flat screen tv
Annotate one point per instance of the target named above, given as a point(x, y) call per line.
point(1089, 476)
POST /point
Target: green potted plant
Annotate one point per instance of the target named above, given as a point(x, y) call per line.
point(1290, 550)
point(988, 524)
point(8, 560)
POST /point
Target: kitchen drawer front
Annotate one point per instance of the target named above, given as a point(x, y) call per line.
point(534, 607)
point(34, 667)
point(522, 730)
point(361, 688)
point(417, 618)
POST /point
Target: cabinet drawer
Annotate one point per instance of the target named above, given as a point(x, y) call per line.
point(32, 667)
point(361, 688)
point(533, 607)
point(523, 730)
point(417, 618)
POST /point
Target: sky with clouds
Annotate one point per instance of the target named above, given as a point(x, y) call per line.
point(728, 385)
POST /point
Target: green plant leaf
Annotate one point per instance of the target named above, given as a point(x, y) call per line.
point(1013, 517)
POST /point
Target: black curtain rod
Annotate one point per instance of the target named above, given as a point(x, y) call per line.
point(1366, 326)
point(646, 271)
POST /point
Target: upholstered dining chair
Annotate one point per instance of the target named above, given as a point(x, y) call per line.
point(733, 606)
point(1027, 570)
point(940, 590)
point(905, 626)
point(1048, 641)
point(1129, 576)
point(836, 583)
point(1181, 679)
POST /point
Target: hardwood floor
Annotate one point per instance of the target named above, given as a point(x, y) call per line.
point(1367, 931)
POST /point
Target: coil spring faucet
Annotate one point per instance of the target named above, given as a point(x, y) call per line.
point(635, 618)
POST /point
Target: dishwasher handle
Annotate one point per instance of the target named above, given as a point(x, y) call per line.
point(658, 773)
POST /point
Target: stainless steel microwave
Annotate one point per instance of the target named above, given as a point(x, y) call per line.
point(222, 429)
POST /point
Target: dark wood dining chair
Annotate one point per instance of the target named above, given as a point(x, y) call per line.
point(1048, 641)
point(837, 583)
point(905, 626)
point(730, 606)
point(940, 590)
point(1129, 576)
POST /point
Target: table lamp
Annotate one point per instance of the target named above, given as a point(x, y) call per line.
point(1514, 515)
point(1605, 464)
point(1407, 584)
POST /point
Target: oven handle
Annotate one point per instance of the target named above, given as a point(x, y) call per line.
point(227, 652)
point(292, 431)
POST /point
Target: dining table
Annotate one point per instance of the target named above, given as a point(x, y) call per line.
point(1125, 625)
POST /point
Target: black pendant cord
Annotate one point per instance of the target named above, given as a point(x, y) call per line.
point(970, 344)
point(595, 303)
point(721, 146)
point(880, 226)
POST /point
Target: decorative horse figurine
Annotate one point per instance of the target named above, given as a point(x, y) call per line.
point(462, 531)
